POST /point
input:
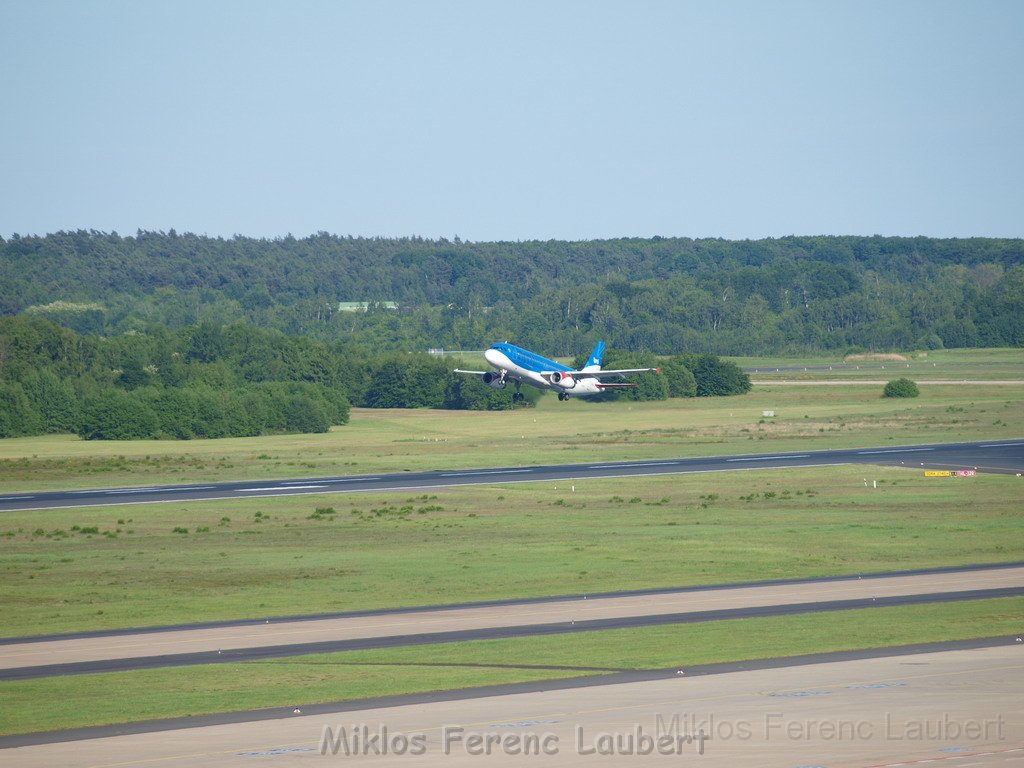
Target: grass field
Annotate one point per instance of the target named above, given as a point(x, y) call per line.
point(46, 704)
point(944, 364)
point(805, 418)
point(94, 568)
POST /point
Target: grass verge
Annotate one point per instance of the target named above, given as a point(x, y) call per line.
point(806, 418)
point(97, 568)
point(77, 701)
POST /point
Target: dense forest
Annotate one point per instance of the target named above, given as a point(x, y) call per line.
point(659, 295)
point(180, 335)
point(237, 380)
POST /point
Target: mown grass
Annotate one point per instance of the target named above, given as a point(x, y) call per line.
point(376, 441)
point(96, 568)
point(949, 364)
point(167, 563)
point(51, 703)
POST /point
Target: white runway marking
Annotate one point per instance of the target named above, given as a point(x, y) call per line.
point(278, 488)
point(299, 483)
point(158, 490)
point(895, 450)
point(150, 489)
point(486, 472)
point(284, 490)
point(626, 466)
point(771, 458)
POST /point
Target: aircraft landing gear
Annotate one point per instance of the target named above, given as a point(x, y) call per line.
point(518, 396)
point(562, 396)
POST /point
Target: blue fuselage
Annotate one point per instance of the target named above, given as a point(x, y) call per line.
point(500, 355)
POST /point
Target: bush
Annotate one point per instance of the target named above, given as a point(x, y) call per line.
point(715, 377)
point(681, 382)
point(900, 388)
point(648, 386)
point(468, 393)
point(304, 414)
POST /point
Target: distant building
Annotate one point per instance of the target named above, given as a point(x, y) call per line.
point(362, 306)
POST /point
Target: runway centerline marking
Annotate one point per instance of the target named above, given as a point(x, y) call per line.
point(160, 490)
point(627, 466)
point(771, 458)
point(299, 483)
point(486, 472)
point(277, 488)
point(895, 450)
point(112, 490)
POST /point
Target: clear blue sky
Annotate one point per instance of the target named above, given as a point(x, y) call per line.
point(513, 120)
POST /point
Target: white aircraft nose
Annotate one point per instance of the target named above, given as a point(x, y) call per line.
point(496, 358)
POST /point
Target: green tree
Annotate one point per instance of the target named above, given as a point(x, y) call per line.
point(17, 416)
point(716, 377)
point(133, 375)
point(305, 414)
point(116, 415)
point(388, 386)
point(426, 379)
point(207, 343)
point(681, 382)
point(53, 399)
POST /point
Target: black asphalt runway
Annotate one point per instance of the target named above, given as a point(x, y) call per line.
point(235, 655)
point(998, 456)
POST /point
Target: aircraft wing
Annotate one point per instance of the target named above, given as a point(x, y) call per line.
point(601, 374)
point(474, 373)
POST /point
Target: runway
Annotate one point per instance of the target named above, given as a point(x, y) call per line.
point(1001, 456)
point(896, 711)
point(955, 708)
point(882, 382)
point(233, 642)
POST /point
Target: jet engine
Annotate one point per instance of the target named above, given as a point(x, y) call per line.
point(562, 380)
point(496, 380)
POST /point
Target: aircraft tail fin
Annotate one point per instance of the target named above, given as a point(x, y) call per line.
point(596, 359)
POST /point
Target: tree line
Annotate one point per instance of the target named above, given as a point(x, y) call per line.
point(235, 380)
point(663, 295)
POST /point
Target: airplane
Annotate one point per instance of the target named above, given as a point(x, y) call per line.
point(521, 366)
